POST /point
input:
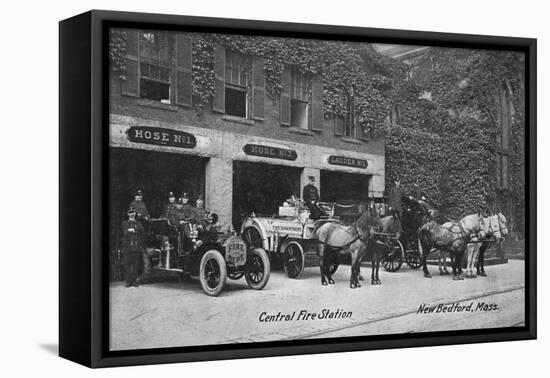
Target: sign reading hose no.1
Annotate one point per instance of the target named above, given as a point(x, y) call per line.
point(161, 137)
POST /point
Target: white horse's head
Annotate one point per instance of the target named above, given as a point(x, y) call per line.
point(502, 225)
point(497, 226)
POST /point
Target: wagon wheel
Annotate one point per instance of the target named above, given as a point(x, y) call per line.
point(294, 260)
point(213, 272)
point(412, 257)
point(258, 270)
point(253, 238)
point(393, 258)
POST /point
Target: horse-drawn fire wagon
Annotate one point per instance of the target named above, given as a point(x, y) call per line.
point(191, 249)
point(288, 236)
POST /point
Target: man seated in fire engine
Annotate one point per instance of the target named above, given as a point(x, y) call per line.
point(310, 196)
point(200, 212)
point(185, 214)
point(169, 207)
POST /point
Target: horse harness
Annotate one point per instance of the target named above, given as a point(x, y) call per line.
point(355, 238)
point(467, 236)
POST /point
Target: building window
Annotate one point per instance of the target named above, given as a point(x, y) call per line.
point(155, 52)
point(237, 84)
point(347, 121)
point(503, 139)
point(300, 99)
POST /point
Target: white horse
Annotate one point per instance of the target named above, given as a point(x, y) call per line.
point(452, 237)
point(497, 230)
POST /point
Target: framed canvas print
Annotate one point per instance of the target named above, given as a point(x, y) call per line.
point(233, 188)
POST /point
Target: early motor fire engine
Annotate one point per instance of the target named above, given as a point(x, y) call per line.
point(192, 249)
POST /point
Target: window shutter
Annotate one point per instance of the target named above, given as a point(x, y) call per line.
point(184, 73)
point(317, 115)
point(338, 125)
point(258, 88)
point(130, 82)
point(219, 72)
point(285, 97)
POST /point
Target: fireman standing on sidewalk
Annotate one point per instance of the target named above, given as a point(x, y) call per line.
point(133, 247)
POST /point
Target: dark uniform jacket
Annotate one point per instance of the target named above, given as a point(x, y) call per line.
point(133, 236)
point(141, 209)
point(169, 210)
point(310, 193)
point(395, 198)
point(200, 215)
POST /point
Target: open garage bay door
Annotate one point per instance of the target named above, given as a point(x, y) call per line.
point(346, 189)
point(156, 174)
point(261, 188)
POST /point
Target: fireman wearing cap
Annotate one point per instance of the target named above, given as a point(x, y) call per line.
point(200, 212)
point(140, 207)
point(170, 209)
point(184, 214)
point(133, 246)
point(310, 196)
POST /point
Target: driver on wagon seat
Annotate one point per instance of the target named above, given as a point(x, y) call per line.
point(310, 195)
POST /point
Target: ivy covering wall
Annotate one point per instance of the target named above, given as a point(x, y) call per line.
point(344, 67)
point(444, 142)
point(452, 94)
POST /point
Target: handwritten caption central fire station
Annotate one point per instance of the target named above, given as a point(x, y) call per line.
point(304, 315)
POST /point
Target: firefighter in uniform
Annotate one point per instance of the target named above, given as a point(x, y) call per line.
point(185, 214)
point(310, 195)
point(200, 212)
point(169, 207)
point(140, 207)
point(133, 246)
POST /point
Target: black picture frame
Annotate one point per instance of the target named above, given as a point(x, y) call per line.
point(83, 110)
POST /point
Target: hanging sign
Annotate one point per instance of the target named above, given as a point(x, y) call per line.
point(161, 137)
point(270, 152)
point(347, 161)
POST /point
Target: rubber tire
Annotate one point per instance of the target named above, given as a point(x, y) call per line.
point(398, 261)
point(267, 270)
point(218, 258)
point(297, 274)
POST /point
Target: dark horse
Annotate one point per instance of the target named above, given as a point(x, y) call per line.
point(452, 237)
point(416, 212)
point(380, 245)
point(334, 237)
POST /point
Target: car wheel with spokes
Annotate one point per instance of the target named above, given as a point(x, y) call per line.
point(213, 272)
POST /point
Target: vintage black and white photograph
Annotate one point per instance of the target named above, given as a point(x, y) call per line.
point(266, 188)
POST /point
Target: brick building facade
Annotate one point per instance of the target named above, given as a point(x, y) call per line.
point(246, 151)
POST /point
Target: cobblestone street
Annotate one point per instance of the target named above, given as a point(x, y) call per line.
point(170, 313)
